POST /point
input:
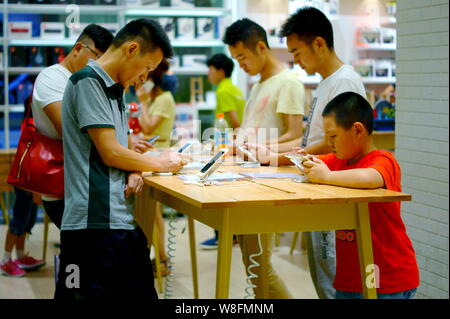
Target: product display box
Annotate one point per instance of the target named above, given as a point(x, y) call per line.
point(206, 28)
point(186, 28)
point(182, 3)
point(20, 30)
point(52, 30)
point(194, 61)
point(169, 26)
point(364, 67)
point(149, 3)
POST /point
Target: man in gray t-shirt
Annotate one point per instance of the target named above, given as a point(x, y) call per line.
point(99, 234)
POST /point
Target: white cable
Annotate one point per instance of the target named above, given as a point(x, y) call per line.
point(251, 286)
point(168, 291)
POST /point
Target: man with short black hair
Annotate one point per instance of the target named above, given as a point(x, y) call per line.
point(46, 109)
point(276, 103)
point(99, 232)
point(230, 100)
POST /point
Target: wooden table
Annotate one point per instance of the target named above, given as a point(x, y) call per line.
point(242, 207)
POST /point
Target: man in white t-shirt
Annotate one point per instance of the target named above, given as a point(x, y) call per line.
point(49, 90)
point(310, 40)
point(273, 113)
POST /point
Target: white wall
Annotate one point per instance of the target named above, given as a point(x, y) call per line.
point(422, 135)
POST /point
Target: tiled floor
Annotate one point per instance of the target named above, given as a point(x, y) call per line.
point(293, 269)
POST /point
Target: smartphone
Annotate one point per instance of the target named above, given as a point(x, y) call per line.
point(249, 154)
point(153, 139)
point(213, 164)
point(185, 147)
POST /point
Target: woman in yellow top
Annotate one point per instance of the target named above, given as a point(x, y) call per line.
point(158, 112)
point(157, 119)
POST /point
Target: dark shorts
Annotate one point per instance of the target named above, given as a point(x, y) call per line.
point(24, 213)
point(105, 264)
point(54, 210)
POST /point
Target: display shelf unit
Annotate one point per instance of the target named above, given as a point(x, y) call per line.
point(122, 12)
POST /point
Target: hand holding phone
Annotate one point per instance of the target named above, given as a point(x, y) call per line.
point(153, 140)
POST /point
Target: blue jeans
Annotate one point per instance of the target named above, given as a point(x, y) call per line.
point(408, 294)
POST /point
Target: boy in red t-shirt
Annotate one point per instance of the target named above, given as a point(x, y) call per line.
point(356, 163)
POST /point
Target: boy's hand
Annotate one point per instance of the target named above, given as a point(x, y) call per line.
point(299, 150)
point(316, 170)
point(135, 184)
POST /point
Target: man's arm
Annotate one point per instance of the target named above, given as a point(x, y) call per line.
point(294, 127)
point(318, 148)
point(115, 155)
point(150, 123)
point(53, 111)
point(234, 119)
point(366, 178)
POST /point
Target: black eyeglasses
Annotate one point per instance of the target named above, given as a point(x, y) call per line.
point(97, 55)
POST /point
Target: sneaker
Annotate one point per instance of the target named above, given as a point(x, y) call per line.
point(209, 244)
point(11, 269)
point(29, 263)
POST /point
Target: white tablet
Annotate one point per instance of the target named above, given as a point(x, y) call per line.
point(213, 164)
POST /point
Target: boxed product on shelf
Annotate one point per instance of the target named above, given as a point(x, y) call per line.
point(368, 36)
point(175, 62)
point(206, 28)
point(388, 35)
point(20, 30)
point(52, 30)
point(182, 3)
point(38, 56)
point(364, 67)
point(17, 56)
point(108, 2)
point(168, 25)
point(149, 3)
point(391, 8)
point(185, 28)
point(194, 61)
point(382, 68)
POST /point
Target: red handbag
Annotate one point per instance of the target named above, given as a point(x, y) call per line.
point(39, 162)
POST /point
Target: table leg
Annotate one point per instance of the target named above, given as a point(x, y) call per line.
point(369, 274)
point(145, 212)
point(224, 258)
point(192, 244)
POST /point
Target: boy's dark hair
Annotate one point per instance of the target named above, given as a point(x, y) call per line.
point(221, 62)
point(157, 74)
point(349, 108)
point(101, 37)
point(308, 23)
point(148, 33)
point(247, 31)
